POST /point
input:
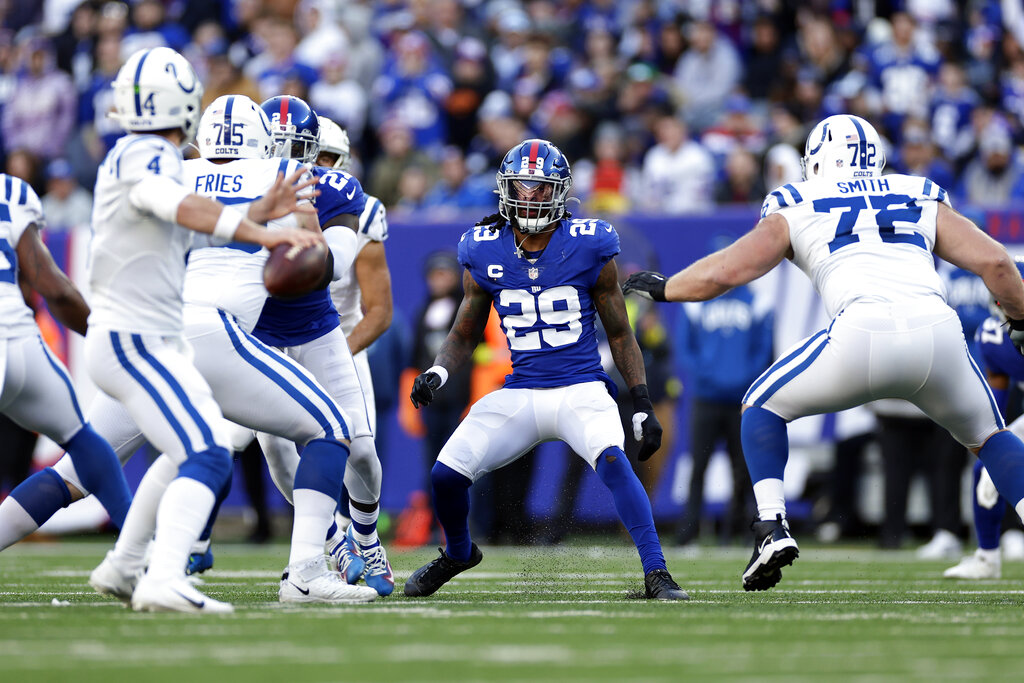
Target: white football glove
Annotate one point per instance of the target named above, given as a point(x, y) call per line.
point(986, 491)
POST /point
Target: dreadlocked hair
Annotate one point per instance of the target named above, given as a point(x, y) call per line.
point(494, 222)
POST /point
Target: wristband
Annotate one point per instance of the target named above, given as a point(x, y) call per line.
point(440, 372)
point(227, 224)
point(641, 398)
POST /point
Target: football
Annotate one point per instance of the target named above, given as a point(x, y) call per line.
point(292, 271)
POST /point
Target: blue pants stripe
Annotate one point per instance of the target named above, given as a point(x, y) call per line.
point(777, 365)
point(59, 369)
point(236, 334)
point(779, 383)
point(153, 393)
point(176, 387)
point(988, 392)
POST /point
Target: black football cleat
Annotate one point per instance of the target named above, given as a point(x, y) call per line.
point(439, 571)
point(774, 549)
point(659, 585)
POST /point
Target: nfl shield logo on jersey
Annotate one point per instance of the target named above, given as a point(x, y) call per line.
point(533, 273)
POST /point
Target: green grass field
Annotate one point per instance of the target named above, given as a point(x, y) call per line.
point(525, 614)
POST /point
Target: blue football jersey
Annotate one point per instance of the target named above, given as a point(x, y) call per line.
point(296, 321)
point(998, 354)
point(544, 299)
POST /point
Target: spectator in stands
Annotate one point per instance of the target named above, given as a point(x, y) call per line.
point(735, 127)
point(340, 98)
point(993, 177)
point(678, 173)
point(99, 131)
point(413, 184)
point(743, 183)
point(763, 73)
point(151, 28)
point(606, 184)
point(917, 155)
point(413, 89)
point(40, 114)
point(705, 75)
point(279, 61)
point(399, 154)
point(225, 78)
point(952, 106)
point(456, 190)
point(472, 80)
point(66, 204)
point(73, 46)
point(323, 38)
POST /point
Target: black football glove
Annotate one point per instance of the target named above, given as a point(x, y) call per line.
point(424, 387)
point(1017, 333)
point(646, 428)
point(647, 284)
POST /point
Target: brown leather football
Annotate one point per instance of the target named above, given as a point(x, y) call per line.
point(291, 271)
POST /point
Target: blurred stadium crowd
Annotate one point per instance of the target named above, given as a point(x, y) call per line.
point(663, 106)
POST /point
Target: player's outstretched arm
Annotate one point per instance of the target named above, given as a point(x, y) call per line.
point(611, 306)
point(286, 196)
point(746, 259)
point(206, 215)
point(458, 346)
point(965, 245)
point(374, 280)
point(36, 266)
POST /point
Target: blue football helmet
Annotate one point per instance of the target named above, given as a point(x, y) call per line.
point(533, 184)
point(294, 128)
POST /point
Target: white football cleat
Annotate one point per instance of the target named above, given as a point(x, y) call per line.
point(110, 579)
point(981, 565)
point(943, 546)
point(174, 595)
point(312, 581)
point(1012, 543)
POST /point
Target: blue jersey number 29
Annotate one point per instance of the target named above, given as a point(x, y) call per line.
point(8, 257)
point(890, 208)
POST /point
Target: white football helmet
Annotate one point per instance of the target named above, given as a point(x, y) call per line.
point(234, 127)
point(843, 147)
point(157, 89)
point(334, 140)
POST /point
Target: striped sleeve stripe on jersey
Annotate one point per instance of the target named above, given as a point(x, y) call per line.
point(23, 195)
point(138, 75)
point(8, 188)
point(374, 208)
point(122, 357)
point(59, 369)
point(929, 187)
point(299, 375)
point(236, 334)
point(778, 364)
point(796, 198)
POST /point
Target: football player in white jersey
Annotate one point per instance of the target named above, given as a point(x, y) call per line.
point(867, 242)
point(135, 351)
point(308, 329)
point(35, 389)
point(362, 296)
point(224, 294)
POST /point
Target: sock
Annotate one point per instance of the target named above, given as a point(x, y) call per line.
point(30, 504)
point(633, 506)
point(771, 500)
point(313, 509)
point(1003, 457)
point(990, 555)
point(765, 444)
point(451, 502)
point(183, 511)
point(100, 471)
point(364, 525)
point(987, 521)
point(222, 494)
point(140, 524)
point(318, 478)
point(344, 502)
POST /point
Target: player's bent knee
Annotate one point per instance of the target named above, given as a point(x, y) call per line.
point(444, 477)
point(211, 467)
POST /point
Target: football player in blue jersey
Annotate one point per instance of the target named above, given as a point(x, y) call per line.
point(548, 276)
point(1004, 367)
point(308, 329)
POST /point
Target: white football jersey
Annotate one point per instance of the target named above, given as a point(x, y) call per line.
point(19, 208)
point(864, 240)
point(230, 276)
point(138, 259)
point(373, 227)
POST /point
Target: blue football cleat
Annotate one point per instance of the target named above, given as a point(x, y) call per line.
point(199, 562)
point(346, 559)
point(378, 574)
